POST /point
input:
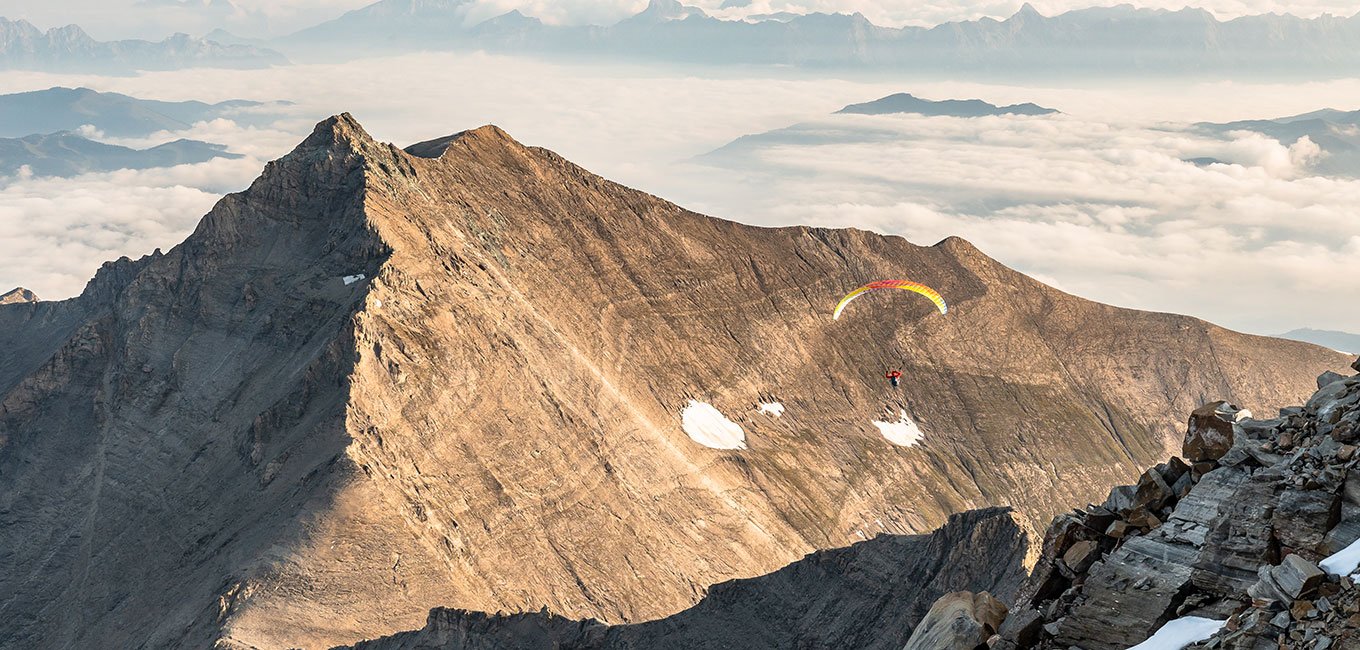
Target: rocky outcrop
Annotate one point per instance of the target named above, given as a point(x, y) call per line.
point(381, 381)
point(958, 621)
point(1235, 537)
point(870, 595)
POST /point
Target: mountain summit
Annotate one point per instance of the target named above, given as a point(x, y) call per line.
point(472, 374)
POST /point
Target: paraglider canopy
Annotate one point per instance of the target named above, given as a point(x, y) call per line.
point(905, 285)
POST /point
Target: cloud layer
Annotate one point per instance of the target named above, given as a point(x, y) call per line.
point(1097, 201)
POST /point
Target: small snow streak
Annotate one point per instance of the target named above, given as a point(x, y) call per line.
point(772, 408)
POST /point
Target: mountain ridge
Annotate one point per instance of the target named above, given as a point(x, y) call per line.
point(375, 381)
point(1097, 40)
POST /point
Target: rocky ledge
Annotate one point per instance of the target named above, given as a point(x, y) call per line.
point(1249, 542)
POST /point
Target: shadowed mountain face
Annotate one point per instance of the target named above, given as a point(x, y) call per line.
point(380, 381)
point(70, 49)
point(68, 109)
point(906, 103)
point(67, 154)
point(870, 596)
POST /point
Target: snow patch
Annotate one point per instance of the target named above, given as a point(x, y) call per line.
point(1243, 414)
point(1180, 633)
point(1343, 562)
point(710, 428)
point(772, 408)
point(903, 433)
point(351, 279)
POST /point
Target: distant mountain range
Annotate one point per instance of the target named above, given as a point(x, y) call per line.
point(1336, 132)
point(70, 49)
point(1100, 40)
point(1340, 341)
point(68, 109)
point(906, 103)
point(68, 154)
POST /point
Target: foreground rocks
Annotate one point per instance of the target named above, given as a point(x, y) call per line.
point(1236, 536)
point(867, 596)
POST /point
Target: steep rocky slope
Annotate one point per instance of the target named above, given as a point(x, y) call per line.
point(1229, 540)
point(870, 596)
point(380, 381)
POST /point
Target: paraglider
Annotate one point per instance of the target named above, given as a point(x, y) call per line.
point(894, 377)
point(905, 285)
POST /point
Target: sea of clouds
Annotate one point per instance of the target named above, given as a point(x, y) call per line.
point(1099, 201)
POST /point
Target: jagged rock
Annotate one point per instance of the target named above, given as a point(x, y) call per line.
point(1303, 517)
point(958, 621)
point(1209, 434)
point(1081, 556)
point(1022, 628)
point(1111, 617)
point(1328, 377)
point(1153, 491)
point(1241, 540)
point(1293, 579)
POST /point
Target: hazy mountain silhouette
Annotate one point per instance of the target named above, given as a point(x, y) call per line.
point(113, 114)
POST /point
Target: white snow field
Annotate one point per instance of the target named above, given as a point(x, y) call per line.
point(903, 433)
point(1180, 633)
point(1343, 562)
point(710, 428)
point(772, 408)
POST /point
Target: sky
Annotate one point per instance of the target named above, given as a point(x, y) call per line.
point(1097, 201)
point(154, 19)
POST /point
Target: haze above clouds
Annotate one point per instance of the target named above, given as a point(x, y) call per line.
point(154, 19)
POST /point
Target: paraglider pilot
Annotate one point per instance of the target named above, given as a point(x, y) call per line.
point(894, 376)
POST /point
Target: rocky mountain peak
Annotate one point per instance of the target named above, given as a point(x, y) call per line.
point(17, 295)
point(485, 139)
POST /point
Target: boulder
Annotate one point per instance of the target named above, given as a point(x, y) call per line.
point(1327, 378)
point(1303, 517)
point(1022, 628)
point(958, 621)
point(1081, 556)
point(1209, 433)
point(1293, 579)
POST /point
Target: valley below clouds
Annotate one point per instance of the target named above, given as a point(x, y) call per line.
point(1119, 198)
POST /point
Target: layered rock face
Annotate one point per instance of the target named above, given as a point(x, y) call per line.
point(1236, 537)
point(380, 381)
point(870, 595)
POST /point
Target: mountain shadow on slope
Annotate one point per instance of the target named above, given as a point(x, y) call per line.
point(870, 595)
